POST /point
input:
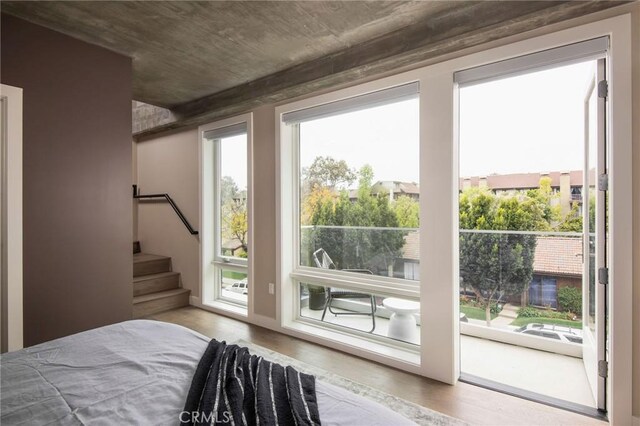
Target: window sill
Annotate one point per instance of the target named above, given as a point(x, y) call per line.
point(227, 307)
point(358, 345)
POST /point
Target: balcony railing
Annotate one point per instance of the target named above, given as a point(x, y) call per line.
point(387, 252)
point(520, 268)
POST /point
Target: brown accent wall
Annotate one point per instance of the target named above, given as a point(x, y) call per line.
point(77, 179)
point(569, 282)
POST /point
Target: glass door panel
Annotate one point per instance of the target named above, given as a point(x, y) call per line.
point(594, 230)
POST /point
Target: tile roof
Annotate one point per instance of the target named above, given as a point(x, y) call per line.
point(558, 256)
point(233, 244)
point(553, 255)
point(383, 186)
point(408, 188)
point(524, 180)
point(411, 248)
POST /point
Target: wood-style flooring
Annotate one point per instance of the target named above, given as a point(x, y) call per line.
point(473, 404)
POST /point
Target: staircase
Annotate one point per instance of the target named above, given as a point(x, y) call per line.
point(156, 288)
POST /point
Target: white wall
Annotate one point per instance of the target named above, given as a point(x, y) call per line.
point(169, 164)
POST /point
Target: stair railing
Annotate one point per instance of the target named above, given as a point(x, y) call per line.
point(172, 203)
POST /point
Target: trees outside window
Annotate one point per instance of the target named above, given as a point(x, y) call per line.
point(351, 231)
point(494, 264)
point(233, 214)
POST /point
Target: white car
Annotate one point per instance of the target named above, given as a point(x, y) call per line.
point(550, 331)
point(239, 287)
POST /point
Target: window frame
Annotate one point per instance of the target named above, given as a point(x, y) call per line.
point(219, 258)
point(439, 220)
point(289, 259)
point(212, 261)
point(379, 285)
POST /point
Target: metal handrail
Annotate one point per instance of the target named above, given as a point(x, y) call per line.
point(171, 203)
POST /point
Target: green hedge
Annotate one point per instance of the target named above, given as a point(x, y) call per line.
point(554, 321)
point(531, 312)
point(570, 300)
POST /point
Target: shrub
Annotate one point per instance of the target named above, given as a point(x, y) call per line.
point(570, 300)
point(529, 312)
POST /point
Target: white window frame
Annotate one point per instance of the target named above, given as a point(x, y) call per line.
point(378, 285)
point(289, 225)
point(619, 143)
point(212, 262)
point(439, 217)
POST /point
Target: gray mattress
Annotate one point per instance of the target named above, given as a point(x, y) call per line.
point(136, 372)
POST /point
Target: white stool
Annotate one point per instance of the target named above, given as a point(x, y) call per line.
point(402, 324)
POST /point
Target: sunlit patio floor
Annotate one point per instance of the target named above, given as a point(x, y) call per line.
point(546, 373)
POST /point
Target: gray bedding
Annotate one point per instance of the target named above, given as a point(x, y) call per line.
point(135, 372)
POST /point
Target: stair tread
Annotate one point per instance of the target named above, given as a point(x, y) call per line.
point(147, 257)
point(154, 276)
point(159, 295)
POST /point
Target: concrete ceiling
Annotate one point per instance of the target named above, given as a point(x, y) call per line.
point(208, 59)
point(185, 50)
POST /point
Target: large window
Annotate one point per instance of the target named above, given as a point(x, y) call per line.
point(226, 152)
point(322, 245)
point(357, 212)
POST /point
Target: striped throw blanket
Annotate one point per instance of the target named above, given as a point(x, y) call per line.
point(231, 386)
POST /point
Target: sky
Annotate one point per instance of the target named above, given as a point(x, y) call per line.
point(384, 137)
point(527, 123)
point(234, 159)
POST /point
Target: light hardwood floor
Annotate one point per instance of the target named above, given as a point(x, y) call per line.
point(473, 404)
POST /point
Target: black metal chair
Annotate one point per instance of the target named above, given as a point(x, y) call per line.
point(322, 260)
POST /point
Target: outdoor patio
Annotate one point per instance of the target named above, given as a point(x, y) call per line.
point(546, 373)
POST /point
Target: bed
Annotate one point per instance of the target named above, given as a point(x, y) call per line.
point(135, 372)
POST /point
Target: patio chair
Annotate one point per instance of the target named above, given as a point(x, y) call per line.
point(322, 260)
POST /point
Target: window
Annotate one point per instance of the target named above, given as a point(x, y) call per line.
point(543, 291)
point(356, 206)
point(226, 192)
point(439, 152)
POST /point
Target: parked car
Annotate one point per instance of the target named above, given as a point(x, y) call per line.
point(550, 331)
point(239, 287)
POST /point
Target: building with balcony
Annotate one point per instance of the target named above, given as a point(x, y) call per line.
point(567, 184)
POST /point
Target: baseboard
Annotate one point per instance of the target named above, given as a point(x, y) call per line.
point(232, 311)
point(260, 320)
point(264, 321)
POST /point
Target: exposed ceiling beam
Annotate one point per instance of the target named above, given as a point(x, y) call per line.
point(472, 24)
point(147, 116)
